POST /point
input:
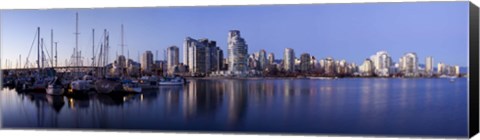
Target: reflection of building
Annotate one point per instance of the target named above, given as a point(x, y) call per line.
point(237, 52)
point(172, 58)
point(147, 62)
point(409, 64)
point(202, 98)
point(289, 60)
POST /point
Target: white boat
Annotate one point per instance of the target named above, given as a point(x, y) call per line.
point(176, 81)
point(82, 85)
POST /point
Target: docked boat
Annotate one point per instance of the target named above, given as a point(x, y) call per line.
point(108, 85)
point(82, 85)
point(55, 87)
point(131, 87)
point(147, 83)
point(175, 81)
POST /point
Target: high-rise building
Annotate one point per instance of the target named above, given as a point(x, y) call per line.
point(271, 58)
point(429, 65)
point(367, 68)
point(289, 60)
point(409, 64)
point(262, 59)
point(305, 64)
point(382, 62)
point(237, 52)
point(146, 62)
point(329, 66)
point(203, 56)
point(441, 68)
point(172, 58)
point(457, 71)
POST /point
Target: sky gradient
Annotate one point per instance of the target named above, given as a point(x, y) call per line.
point(343, 31)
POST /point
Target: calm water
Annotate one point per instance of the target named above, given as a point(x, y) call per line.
point(423, 107)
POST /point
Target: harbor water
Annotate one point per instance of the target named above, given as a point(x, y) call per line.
point(355, 106)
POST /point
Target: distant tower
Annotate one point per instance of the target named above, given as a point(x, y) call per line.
point(289, 59)
point(172, 58)
point(271, 58)
point(410, 64)
point(262, 58)
point(429, 65)
point(147, 62)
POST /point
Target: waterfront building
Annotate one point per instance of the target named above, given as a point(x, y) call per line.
point(147, 62)
point(172, 59)
point(305, 62)
point(409, 64)
point(159, 67)
point(237, 53)
point(457, 71)
point(441, 69)
point(119, 66)
point(289, 60)
point(429, 65)
point(321, 66)
point(220, 65)
point(367, 68)
point(133, 68)
point(330, 67)
point(252, 63)
point(271, 58)
point(342, 67)
point(382, 62)
point(262, 59)
point(203, 56)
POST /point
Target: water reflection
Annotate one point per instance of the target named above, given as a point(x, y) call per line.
point(273, 105)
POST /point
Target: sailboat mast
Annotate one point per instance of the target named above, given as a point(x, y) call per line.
point(43, 55)
point(76, 43)
point(51, 46)
point(56, 53)
point(122, 40)
point(38, 48)
point(93, 47)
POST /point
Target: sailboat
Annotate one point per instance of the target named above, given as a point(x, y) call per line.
point(117, 85)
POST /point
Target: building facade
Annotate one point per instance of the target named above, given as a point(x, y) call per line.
point(172, 59)
point(237, 52)
point(305, 63)
point(409, 66)
point(289, 60)
point(146, 62)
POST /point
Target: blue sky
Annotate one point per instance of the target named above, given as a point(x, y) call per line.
point(344, 31)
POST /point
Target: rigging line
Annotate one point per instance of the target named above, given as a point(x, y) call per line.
point(33, 42)
point(48, 55)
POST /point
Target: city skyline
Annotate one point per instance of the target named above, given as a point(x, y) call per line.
point(367, 36)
